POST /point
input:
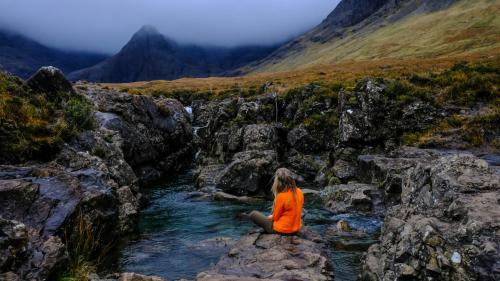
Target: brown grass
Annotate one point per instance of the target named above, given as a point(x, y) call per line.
point(345, 72)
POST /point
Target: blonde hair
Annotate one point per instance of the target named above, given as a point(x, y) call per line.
point(283, 181)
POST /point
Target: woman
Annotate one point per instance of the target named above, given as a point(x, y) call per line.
point(287, 208)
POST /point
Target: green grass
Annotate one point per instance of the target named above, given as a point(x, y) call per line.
point(31, 126)
point(466, 28)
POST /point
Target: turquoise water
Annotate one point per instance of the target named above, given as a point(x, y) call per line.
point(175, 221)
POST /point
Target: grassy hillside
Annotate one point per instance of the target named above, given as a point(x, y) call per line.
point(340, 73)
point(464, 29)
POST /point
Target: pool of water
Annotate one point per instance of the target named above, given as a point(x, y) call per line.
point(175, 221)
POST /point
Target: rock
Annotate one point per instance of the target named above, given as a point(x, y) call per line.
point(344, 170)
point(261, 137)
point(363, 122)
point(50, 81)
point(271, 257)
point(343, 226)
point(155, 133)
point(369, 117)
point(300, 139)
point(214, 244)
point(304, 165)
point(13, 244)
point(222, 196)
point(249, 173)
point(205, 176)
point(352, 197)
point(9, 276)
point(449, 208)
point(138, 277)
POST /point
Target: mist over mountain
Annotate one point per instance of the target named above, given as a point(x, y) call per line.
point(23, 56)
point(105, 26)
point(149, 55)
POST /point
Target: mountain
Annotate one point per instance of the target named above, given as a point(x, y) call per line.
point(23, 56)
point(392, 29)
point(149, 55)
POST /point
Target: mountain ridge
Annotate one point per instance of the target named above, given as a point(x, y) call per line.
point(23, 56)
point(149, 55)
point(392, 29)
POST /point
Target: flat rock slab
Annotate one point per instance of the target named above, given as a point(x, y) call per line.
point(259, 256)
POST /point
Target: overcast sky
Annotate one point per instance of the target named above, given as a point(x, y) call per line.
point(106, 25)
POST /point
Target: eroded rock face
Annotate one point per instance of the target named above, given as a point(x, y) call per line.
point(446, 226)
point(258, 256)
point(249, 172)
point(368, 117)
point(91, 182)
point(156, 133)
point(47, 199)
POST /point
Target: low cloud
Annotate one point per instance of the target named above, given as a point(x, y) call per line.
point(106, 25)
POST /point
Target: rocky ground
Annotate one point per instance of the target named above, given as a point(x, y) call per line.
point(441, 208)
point(89, 194)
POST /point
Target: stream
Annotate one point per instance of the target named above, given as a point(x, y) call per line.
point(174, 222)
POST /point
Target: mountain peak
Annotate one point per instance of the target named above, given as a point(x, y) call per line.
point(148, 29)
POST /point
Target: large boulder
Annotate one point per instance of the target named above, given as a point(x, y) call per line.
point(250, 172)
point(47, 199)
point(156, 133)
point(50, 81)
point(446, 227)
point(362, 121)
point(259, 256)
point(352, 197)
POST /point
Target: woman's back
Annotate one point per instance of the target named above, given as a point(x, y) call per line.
point(287, 214)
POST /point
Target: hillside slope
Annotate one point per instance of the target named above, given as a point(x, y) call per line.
point(389, 29)
point(23, 56)
point(149, 55)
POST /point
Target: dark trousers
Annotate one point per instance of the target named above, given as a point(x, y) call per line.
point(263, 221)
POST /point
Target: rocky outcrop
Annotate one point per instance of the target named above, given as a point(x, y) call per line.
point(259, 256)
point(352, 198)
point(369, 117)
point(90, 187)
point(446, 226)
point(249, 172)
point(156, 133)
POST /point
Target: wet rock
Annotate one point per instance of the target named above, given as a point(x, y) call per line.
point(446, 226)
point(205, 175)
point(352, 197)
point(343, 226)
point(271, 257)
point(222, 196)
point(138, 277)
point(214, 244)
point(250, 172)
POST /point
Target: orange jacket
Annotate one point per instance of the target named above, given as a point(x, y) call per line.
point(287, 214)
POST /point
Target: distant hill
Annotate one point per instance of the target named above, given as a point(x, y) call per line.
point(23, 56)
point(150, 55)
point(392, 29)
